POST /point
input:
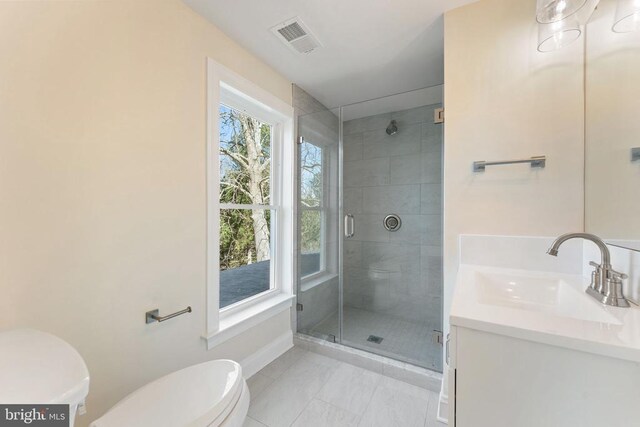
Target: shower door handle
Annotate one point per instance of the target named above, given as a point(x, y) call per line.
point(349, 226)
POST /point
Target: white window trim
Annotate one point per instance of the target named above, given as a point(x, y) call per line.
point(324, 214)
point(327, 270)
point(317, 279)
point(223, 324)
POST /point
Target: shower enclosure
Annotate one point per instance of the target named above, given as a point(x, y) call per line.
point(370, 226)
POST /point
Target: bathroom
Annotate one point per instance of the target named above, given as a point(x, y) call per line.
point(320, 213)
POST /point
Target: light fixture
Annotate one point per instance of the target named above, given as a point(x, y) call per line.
point(627, 16)
point(558, 34)
point(548, 11)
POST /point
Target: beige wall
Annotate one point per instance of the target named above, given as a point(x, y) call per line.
point(102, 182)
point(504, 100)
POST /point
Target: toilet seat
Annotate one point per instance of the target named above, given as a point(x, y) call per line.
point(209, 394)
point(236, 415)
point(37, 367)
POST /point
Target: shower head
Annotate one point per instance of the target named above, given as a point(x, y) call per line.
point(392, 129)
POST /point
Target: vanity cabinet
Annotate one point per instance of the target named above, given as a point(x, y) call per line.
point(501, 381)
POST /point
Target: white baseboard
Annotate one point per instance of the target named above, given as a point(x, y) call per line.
point(266, 354)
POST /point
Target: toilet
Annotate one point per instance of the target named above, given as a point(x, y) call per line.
point(39, 368)
point(208, 394)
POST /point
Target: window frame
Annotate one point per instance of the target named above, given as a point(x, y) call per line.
point(323, 209)
point(331, 208)
point(228, 88)
point(274, 202)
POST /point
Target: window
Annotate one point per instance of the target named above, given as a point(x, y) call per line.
point(312, 210)
point(250, 222)
point(318, 201)
point(246, 209)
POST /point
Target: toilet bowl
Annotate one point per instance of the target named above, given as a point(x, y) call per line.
point(208, 394)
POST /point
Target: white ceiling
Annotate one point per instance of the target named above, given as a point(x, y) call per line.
point(371, 48)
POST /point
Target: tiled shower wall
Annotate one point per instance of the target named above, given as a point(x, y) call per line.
point(395, 273)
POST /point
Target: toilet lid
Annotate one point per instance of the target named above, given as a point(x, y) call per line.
point(194, 396)
point(37, 367)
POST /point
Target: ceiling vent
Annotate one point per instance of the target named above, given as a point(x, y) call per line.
point(296, 35)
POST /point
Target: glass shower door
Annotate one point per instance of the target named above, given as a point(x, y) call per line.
point(392, 261)
point(370, 226)
point(318, 292)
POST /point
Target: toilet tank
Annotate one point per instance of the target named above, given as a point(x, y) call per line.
point(40, 368)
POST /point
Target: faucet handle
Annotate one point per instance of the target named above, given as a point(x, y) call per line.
point(596, 277)
point(618, 276)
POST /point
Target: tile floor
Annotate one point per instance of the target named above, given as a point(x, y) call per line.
point(411, 342)
point(306, 389)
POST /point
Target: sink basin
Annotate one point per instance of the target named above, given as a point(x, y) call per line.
point(547, 307)
point(539, 294)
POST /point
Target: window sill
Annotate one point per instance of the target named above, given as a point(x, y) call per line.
point(242, 320)
point(316, 281)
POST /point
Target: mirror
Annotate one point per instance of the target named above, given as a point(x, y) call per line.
point(612, 124)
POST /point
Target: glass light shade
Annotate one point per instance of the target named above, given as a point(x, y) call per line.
point(627, 16)
point(548, 11)
point(558, 34)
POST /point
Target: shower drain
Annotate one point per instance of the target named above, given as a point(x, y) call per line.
point(374, 339)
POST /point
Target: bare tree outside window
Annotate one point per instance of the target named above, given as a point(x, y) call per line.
point(245, 173)
point(245, 179)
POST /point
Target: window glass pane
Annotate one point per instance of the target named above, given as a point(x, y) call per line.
point(245, 253)
point(245, 158)
point(311, 239)
point(310, 175)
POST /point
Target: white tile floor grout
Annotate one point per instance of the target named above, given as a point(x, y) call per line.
point(306, 389)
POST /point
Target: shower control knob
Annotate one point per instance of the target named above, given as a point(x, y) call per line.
point(392, 222)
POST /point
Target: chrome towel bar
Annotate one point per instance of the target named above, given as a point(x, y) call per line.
point(154, 315)
point(536, 162)
point(635, 154)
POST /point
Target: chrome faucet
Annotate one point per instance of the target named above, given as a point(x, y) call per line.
point(606, 283)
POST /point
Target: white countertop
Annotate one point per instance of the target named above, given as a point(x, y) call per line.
point(550, 308)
